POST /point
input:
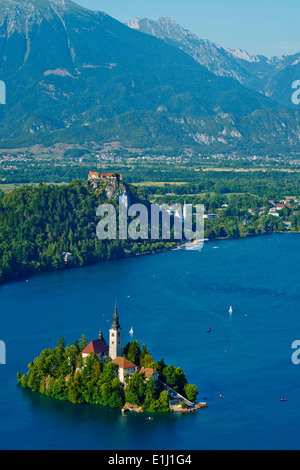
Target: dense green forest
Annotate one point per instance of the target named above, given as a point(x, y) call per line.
point(39, 224)
point(63, 374)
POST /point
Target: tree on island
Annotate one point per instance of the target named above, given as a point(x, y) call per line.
point(191, 392)
point(132, 352)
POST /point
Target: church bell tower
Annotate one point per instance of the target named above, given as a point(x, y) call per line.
point(115, 337)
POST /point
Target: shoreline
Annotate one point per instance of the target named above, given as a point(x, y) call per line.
point(179, 246)
point(138, 409)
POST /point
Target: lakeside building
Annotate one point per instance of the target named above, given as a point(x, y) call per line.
point(125, 368)
point(68, 258)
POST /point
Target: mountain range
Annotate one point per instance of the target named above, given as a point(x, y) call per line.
point(271, 76)
point(81, 77)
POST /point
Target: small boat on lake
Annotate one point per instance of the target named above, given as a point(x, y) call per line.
point(230, 310)
point(194, 245)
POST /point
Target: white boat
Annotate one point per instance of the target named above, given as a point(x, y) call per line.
point(194, 245)
point(230, 310)
point(131, 331)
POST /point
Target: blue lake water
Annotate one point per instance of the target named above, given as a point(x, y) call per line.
point(170, 300)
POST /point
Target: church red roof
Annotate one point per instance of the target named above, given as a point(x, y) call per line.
point(123, 363)
point(96, 346)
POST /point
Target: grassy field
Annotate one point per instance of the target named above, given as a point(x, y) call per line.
point(6, 188)
point(156, 183)
point(250, 170)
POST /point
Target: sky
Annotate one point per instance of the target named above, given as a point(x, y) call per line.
point(268, 27)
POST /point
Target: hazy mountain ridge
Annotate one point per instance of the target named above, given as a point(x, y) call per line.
point(263, 74)
point(74, 75)
point(207, 53)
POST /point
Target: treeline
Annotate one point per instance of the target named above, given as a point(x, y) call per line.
point(63, 374)
point(39, 224)
point(190, 179)
point(272, 184)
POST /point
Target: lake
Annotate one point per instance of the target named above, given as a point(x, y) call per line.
point(170, 300)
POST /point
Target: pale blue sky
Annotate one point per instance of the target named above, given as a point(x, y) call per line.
point(269, 27)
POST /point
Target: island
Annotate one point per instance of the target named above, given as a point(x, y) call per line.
point(110, 375)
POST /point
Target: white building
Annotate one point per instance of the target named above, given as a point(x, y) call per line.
point(125, 368)
point(115, 337)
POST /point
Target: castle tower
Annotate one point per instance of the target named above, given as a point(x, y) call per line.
point(115, 337)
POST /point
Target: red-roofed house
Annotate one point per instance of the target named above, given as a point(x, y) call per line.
point(125, 367)
point(97, 346)
point(149, 373)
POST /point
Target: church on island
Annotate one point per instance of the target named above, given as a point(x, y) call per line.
point(103, 351)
